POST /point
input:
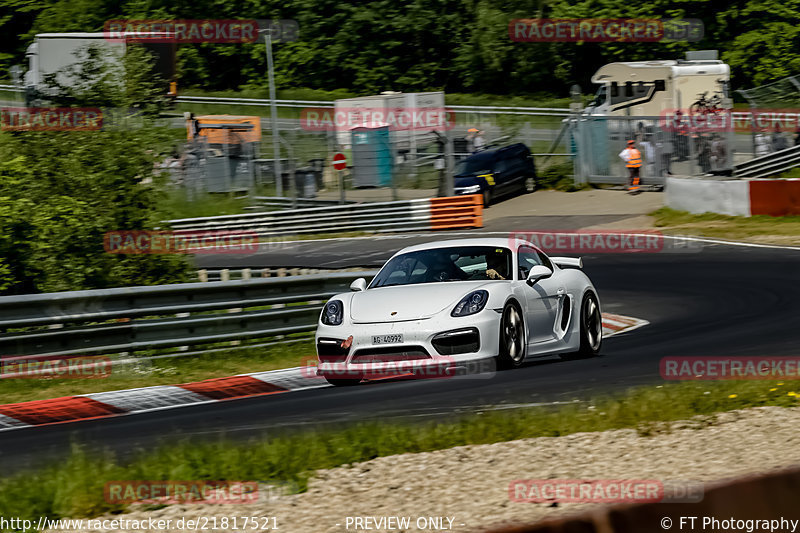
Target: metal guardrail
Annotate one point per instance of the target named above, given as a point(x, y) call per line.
point(288, 203)
point(109, 321)
point(404, 215)
point(251, 101)
point(505, 110)
point(481, 110)
point(377, 216)
point(227, 274)
point(769, 164)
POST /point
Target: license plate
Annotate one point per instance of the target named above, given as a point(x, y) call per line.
point(387, 339)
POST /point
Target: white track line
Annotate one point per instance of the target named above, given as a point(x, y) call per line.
point(506, 233)
point(6, 423)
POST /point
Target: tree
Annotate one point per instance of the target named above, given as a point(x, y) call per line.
point(61, 191)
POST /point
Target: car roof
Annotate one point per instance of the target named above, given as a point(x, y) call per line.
point(486, 155)
point(497, 242)
point(495, 153)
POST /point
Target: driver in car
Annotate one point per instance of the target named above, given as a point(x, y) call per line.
point(443, 269)
point(496, 267)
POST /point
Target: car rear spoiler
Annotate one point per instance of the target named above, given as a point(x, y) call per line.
point(568, 262)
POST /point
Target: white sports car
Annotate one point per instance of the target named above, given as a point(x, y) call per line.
point(441, 304)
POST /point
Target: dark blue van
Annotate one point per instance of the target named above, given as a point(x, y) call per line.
point(496, 172)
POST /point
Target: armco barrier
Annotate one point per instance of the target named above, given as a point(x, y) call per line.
point(734, 197)
point(406, 215)
point(106, 321)
point(769, 165)
point(764, 497)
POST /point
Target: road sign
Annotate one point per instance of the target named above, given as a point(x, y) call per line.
point(339, 161)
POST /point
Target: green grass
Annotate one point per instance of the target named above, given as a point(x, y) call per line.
point(175, 205)
point(168, 371)
point(760, 228)
point(74, 487)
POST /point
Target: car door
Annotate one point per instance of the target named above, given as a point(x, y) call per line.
point(502, 174)
point(542, 299)
point(517, 167)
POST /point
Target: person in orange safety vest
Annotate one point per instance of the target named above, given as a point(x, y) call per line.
point(633, 161)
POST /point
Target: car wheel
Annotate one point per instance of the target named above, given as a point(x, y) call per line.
point(343, 382)
point(487, 198)
point(512, 338)
point(591, 326)
point(530, 184)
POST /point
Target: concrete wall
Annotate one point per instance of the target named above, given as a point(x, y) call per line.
point(727, 197)
point(734, 197)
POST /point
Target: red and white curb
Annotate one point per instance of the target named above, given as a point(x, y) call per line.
point(615, 324)
point(146, 399)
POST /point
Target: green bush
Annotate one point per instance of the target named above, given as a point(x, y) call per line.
point(559, 176)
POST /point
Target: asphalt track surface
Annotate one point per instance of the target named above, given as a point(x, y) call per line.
point(722, 300)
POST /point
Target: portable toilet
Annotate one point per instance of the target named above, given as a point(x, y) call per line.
point(372, 157)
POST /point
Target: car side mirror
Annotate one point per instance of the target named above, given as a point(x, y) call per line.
point(358, 285)
point(538, 272)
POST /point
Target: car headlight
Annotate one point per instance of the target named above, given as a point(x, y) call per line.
point(471, 189)
point(332, 313)
point(472, 303)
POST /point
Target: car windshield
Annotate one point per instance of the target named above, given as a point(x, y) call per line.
point(457, 263)
point(473, 166)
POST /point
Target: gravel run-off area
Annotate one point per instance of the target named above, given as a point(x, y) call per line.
point(470, 484)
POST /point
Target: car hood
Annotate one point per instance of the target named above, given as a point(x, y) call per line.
point(465, 180)
point(408, 302)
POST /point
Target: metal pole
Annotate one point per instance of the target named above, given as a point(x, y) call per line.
point(450, 162)
point(273, 114)
point(341, 186)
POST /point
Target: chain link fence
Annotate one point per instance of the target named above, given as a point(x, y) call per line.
point(666, 149)
point(404, 165)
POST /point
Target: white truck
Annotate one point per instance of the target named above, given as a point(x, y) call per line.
point(639, 100)
point(52, 53)
point(650, 88)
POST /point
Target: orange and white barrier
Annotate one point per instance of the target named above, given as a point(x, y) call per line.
point(774, 197)
point(457, 212)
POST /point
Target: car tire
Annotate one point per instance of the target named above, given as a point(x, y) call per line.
point(343, 382)
point(591, 326)
point(511, 351)
point(487, 197)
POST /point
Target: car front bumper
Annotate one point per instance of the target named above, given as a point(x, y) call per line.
point(430, 347)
